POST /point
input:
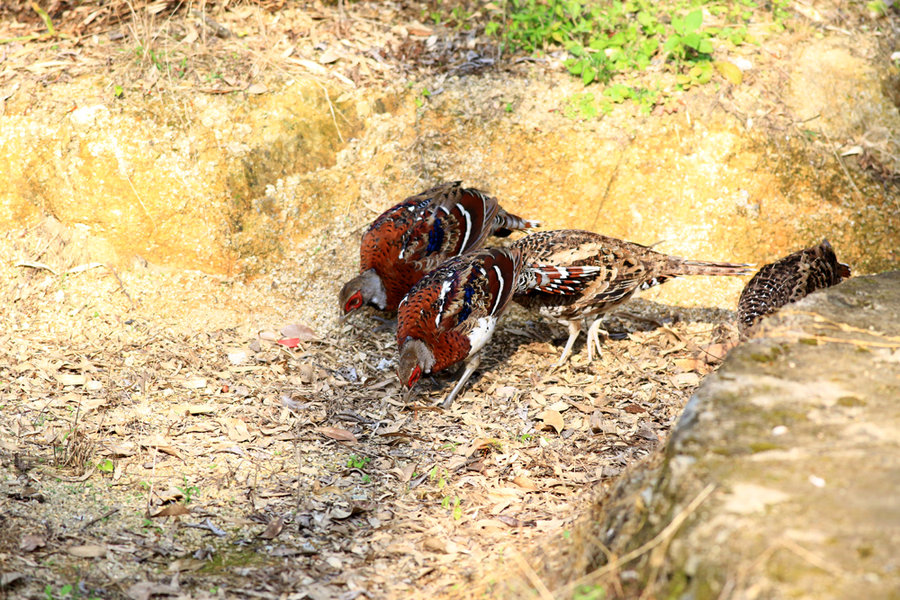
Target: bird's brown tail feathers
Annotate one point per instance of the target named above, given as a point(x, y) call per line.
point(679, 266)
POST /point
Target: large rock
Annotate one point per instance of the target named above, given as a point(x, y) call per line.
point(784, 468)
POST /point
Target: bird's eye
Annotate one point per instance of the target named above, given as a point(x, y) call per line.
point(354, 302)
point(414, 376)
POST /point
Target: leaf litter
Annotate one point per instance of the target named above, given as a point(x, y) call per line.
point(299, 470)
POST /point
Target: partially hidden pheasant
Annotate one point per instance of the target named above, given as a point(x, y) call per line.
point(451, 313)
point(417, 235)
point(624, 268)
point(788, 280)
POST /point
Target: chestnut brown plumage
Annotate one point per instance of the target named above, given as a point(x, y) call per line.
point(451, 313)
point(416, 236)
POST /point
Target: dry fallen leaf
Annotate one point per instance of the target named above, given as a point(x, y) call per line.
point(145, 589)
point(299, 331)
point(87, 551)
point(335, 433)
point(435, 544)
point(185, 564)
point(553, 419)
point(30, 543)
point(273, 529)
point(525, 483)
point(172, 510)
point(729, 71)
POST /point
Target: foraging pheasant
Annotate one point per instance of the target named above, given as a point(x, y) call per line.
point(414, 237)
point(625, 268)
point(787, 280)
point(450, 314)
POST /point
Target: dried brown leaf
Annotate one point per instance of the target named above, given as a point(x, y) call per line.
point(553, 419)
point(299, 331)
point(335, 433)
point(30, 543)
point(145, 589)
point(87, 551)
point(172, 510)
point(273, 529)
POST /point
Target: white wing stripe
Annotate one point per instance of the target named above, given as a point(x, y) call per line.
point(468, 218)
point(445, 289)
point(501, 291)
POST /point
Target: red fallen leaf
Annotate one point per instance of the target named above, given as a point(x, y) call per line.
point(289, 342)
point(335, 433)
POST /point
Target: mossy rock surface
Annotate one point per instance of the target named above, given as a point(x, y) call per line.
point(801, 455)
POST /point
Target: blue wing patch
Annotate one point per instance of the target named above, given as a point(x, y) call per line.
point(435, 237)
point(467, 303)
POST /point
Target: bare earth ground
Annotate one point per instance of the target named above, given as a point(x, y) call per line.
point(156, 440)
point(128, 394)
point(416, 496)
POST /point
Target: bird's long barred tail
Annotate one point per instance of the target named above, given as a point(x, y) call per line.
point(562, 280)
point(679, 266)
point(506, 223)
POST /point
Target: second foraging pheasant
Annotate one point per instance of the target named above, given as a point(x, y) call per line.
point(451, 313)
point(624, 268)
point(787, 280)
point(414, 237)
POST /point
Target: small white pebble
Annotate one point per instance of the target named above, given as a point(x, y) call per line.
point(237, 357)
point(385, 364)
point(817, 481)
point(779, 430)
point(742, 63)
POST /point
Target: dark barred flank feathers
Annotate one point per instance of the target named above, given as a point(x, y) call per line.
point(623, 268)
point(417, 235)
point(787, 280)
point(451, 313)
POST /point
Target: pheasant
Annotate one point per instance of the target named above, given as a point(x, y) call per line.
point(787, 280)
point(625, 268)
point(414, 237)
point(451, 313)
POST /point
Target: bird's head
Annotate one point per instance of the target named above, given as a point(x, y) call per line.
point(365, 288)
point(415, 360)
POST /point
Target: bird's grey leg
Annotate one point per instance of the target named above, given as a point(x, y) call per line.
point(574, 329)
point(593, 339)
point(471, 365)
point(386, 324)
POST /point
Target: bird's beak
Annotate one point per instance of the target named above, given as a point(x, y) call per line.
point(407, 395)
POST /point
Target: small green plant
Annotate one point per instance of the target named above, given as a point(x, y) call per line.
point(454, 504)
point(147, 523)
point(356, 462)
point(589, 592)
point(67, 591)
point(188, 491)
point(689, 43)
point(580, 106)
point(441, 478)
point(118, 91)
point(367, 478)
point(106, 466)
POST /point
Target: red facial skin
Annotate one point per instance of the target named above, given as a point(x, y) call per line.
point(355, 301)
